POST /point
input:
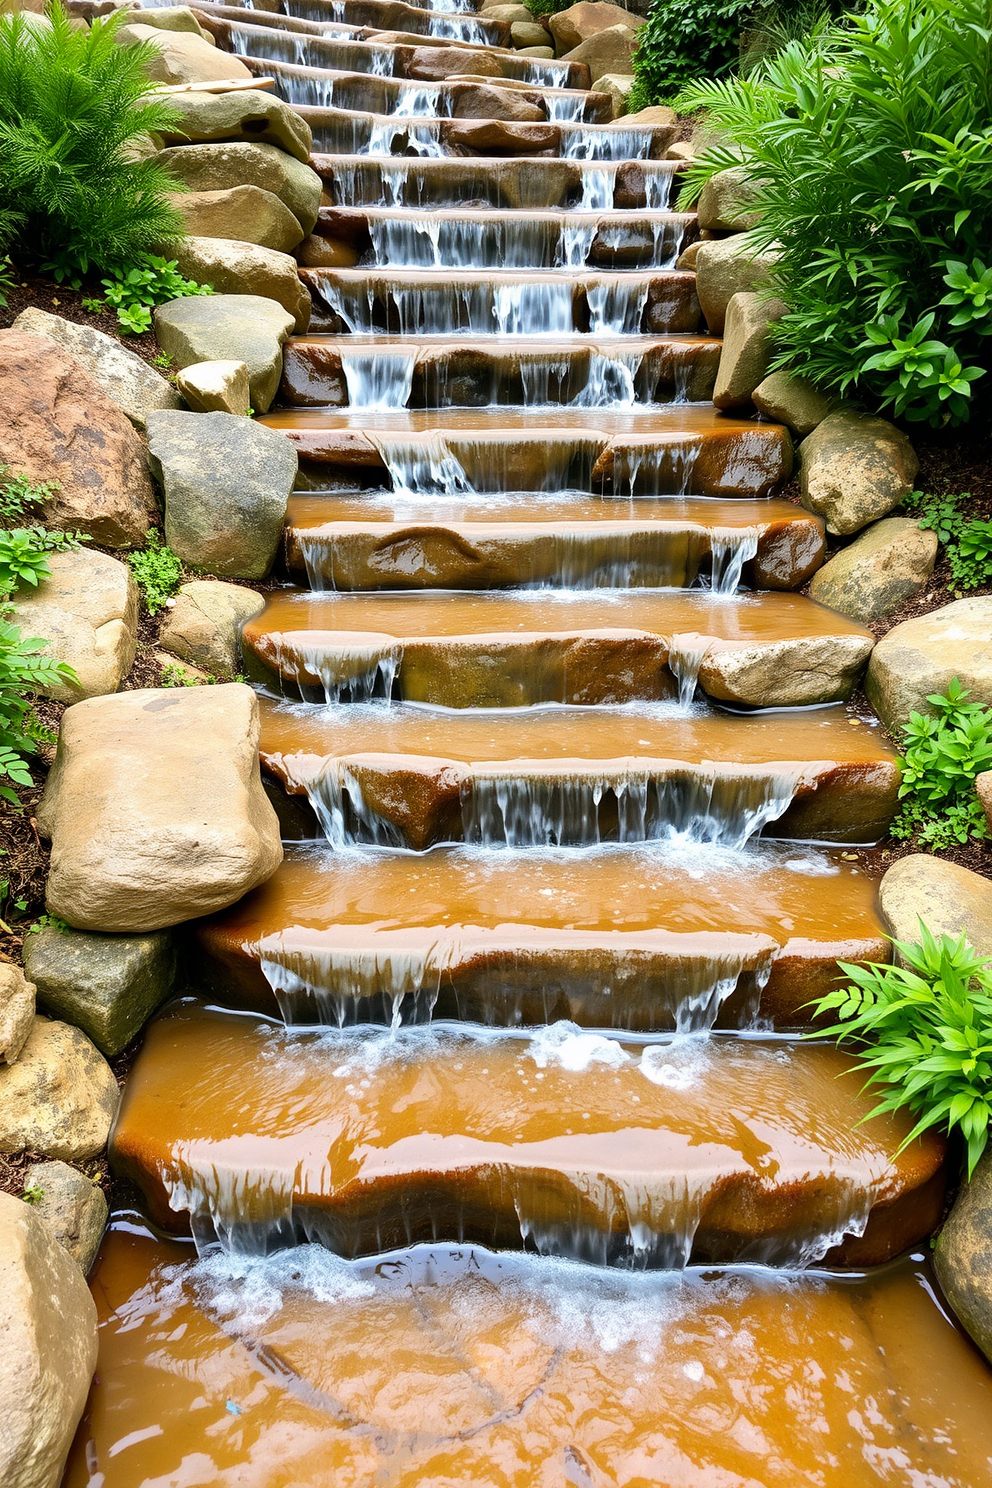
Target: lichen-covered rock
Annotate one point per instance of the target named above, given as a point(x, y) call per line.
point(963, 1256)
point(251, 117)
point(16, 1011)
point(47, 1348)
point(87, 611)
point(107, 985)
point(228, 327)
point(216, 167)
point(204, 625)
point(886, 564)
point(180, 57)
point(71, 1205)
point(746, 348)
point(236, 268)
point(245, 214)
point(216, 387)
point(725, 267)
point(226, 483)
point(126, 378)
point(60, 426)
point(948, 898)
point(60, 1097)
point(791, 400)
point(921, 656)
point(855, 468)
point(155, 808)
point(726, 202)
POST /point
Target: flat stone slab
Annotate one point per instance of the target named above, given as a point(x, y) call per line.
point(376, 1142)
point(630, 937)
point(511, 649)
point(342, 130)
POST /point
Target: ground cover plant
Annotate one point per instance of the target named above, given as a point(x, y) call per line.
point(943, 753)
point(967, 540)
point(157, 570)
point(871, 142)
point(924, 1035)
point(71, 102)
point(134, 292)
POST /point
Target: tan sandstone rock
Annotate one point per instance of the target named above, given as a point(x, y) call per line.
point(855, 468)
point(885, 565)
point(746, 348)
point(216, 387)
point(618, 85)
point(247, 214)
point(235, 268)
point(435, 64)
point(180, 57)
point(579, 22)
point(47, 1348)
point(88, 613)
point(60, 1097)
point(228, 327)
point(170, 18)
point(725, 267)
point(963, 1256)
point(791, 400)
point(983, 785)
point(218, 167)
point(71, 1205)
point(177, 827)
point(59, 425)
point(948, 898)
point(608, 51)
point(16, 1011)
point(726, 202)
point(528, 34)
point(921, 656)
point(252, 117)
point(205, 623)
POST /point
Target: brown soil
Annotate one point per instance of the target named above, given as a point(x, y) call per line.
point(58, 299)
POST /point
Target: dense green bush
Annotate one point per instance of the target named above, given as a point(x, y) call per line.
point(872, 141)
point(71, 102)
point(943, 753)
point(925, 1035)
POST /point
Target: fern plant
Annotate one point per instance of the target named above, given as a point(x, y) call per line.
point(872, 144)
point(22, 670)
point(924, 1033)
point(71, 101)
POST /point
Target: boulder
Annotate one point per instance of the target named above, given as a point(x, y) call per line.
point(884, 566)
point(853, 469)
point(60, 1098)
point(606, 51)
point(687, 258)
point(217, 167)
point(60, 426)
point(126, 379)
point(71, 1205)
point(88, 613)
point(155, 808)
point(226, 327)
point(786, 674)
point(500, 137)
point(326, 253)
point(509, 13)
point(528, 34)
point(963, 1256)
point(921, 656)
point(544, 53)
point(983, 785)
point(16, 1011)
point(791, 400)
point(235, 268)
point(681, 150)
point(179, 57)
point(251, 117)
point(436, 64)
point(216, 387)
point(726, 201)
point(746, 349)
point(47, 1348)
point(479, 101)
point(571, 27)
point(170, 18)
point(725, 267)
point(618, 85)
point(948, 898)
point(204, 625)
point(226, 483)
point(245, 213)
point(107, 985)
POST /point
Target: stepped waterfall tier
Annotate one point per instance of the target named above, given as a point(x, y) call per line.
point(487, 1143)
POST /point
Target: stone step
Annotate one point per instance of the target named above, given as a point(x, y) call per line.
point(453, 1366)
point(522, 182)
point(363, 18)
point(348, 130)
point(558, 302)
point(378, 541)
point(583, 1147)
point(464, 97)
point(463, 238)
point(415, 60)
point(513, 648)
point(675, 449)
point(489, 371)
point(417, 776)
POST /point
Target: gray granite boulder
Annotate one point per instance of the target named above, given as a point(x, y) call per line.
point(71, 1205)
point(886, 564)
point(229, 327)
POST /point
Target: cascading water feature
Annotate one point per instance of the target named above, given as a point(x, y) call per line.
point(488, 1114)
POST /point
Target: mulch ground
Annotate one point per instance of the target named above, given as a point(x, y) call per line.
point(33, 289)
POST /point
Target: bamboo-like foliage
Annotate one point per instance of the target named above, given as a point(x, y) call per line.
point(872, 141)
point(71, 103)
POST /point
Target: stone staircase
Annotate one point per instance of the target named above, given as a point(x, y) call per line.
point(564, 767)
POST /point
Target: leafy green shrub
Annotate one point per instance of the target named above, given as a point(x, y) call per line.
point(22, 670)
point(133, 292)
point(927, 1032)
point(968, 540)
point(872, 143)
point(71, 101)
point(943, 754)
point(157, 570)
point(547, 7)
point(23, 550)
